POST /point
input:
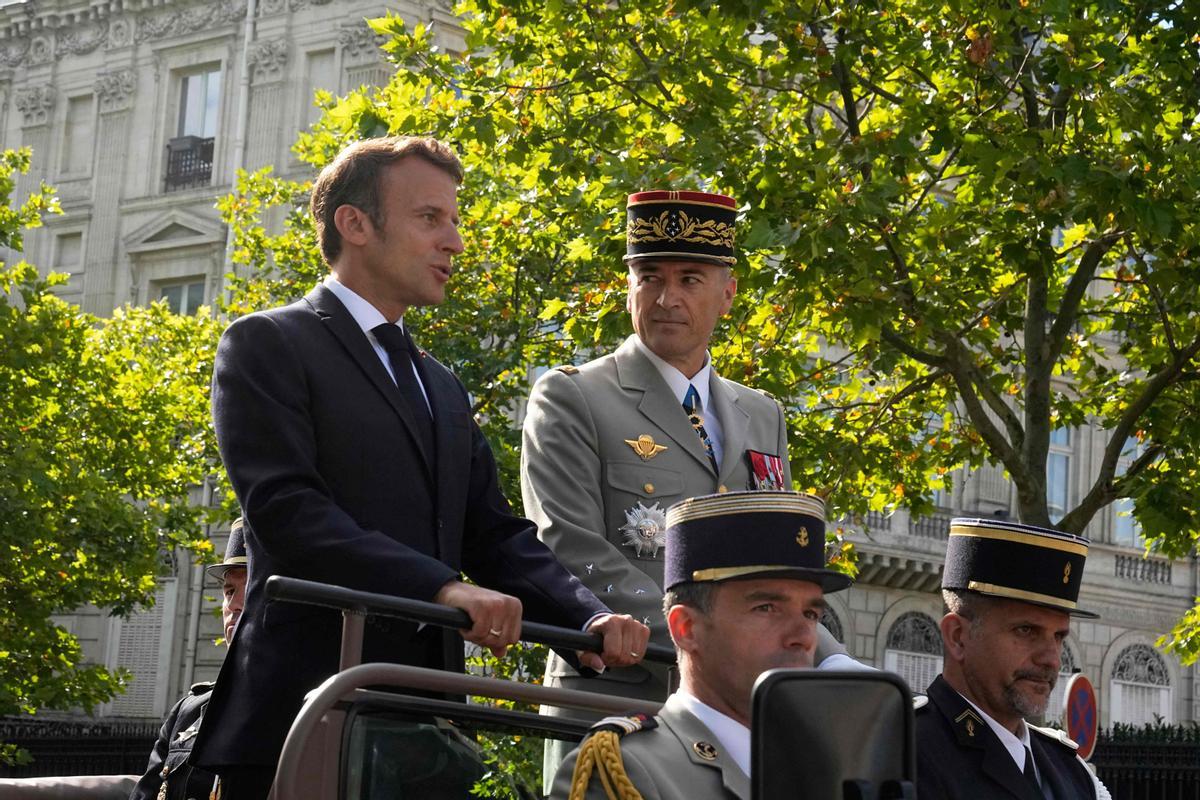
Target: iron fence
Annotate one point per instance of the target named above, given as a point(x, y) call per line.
point(78, 747)
point(1149, 771)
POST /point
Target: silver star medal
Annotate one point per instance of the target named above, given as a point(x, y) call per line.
point(645, 529)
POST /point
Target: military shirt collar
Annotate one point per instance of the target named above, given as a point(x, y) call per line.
point(675, 379)
point(1013, 744)
point(733, 735)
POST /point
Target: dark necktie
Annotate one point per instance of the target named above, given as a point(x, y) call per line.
point(1031, 773)
point(400, 351)
point(691, 403)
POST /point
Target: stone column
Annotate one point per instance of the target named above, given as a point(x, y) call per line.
point(36, 106)
point(115, 91)
point(268, 104)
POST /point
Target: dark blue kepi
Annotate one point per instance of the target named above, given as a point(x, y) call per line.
point(720, 537)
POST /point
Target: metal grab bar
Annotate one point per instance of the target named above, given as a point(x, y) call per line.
point(353, 603)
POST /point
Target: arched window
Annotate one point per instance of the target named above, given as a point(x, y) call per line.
point(829, 619)
point(914, 650)
point(1067, 668)
point(1141, 687)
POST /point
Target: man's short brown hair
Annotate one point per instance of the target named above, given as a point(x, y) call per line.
point(352, 178)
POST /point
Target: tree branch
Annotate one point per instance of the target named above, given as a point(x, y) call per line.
point(1068, 309)
point(650, 68)
point(1093, 501)
point(893, 337)
point(1159, 302)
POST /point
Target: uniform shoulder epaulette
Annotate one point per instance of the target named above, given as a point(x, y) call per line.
point(920, 701)
point(623, 726)
point(1057, 735)
point(567, 369)
point(767, 395)
point(202, 687)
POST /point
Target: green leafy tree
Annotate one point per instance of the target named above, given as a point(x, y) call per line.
point(103, 432)
point(965, 225)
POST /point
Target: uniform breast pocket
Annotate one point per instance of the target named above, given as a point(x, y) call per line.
point(638, 497)
point(645, 482)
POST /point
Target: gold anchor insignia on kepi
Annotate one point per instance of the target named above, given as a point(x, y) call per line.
point(1067, 573)
point(802, 537)
point(645, 446)
point(705, 750)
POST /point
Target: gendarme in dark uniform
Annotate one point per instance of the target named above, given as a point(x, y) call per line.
point(168, 776)
point(963, 752)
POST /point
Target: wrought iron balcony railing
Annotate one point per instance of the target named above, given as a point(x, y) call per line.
point(189, 162)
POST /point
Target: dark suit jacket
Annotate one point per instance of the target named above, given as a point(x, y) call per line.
point(334, 488)
point(168, 760)
point(959, 757)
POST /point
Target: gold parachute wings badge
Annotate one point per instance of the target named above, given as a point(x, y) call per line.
point(645, 446)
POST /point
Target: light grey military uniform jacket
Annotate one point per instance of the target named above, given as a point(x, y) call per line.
point(596, 494)
point(680, 759)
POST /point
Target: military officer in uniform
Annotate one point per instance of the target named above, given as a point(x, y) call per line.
point(168, 775)
point(745, 580)
point(610, 445)
point(1011, 590)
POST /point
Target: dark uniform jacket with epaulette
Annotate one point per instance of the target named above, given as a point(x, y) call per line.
point(168, 775)
point(959, 757)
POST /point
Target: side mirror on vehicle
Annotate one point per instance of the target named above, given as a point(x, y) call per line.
point(832, 734)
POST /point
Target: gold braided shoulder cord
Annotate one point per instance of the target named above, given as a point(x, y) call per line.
point(602, 752)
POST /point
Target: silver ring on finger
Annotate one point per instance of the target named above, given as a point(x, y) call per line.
point(493, 632)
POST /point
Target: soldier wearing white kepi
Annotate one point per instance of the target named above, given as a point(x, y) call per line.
point(745, 582)
point(1011, 590)
point(610, 445)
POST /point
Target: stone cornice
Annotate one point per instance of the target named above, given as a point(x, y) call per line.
point(37, 33)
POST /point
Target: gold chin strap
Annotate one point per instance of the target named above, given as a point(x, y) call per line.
point(602, 752)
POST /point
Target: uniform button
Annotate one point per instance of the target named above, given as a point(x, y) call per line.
point(649, 487)
point(722, 489)
point(439, 524)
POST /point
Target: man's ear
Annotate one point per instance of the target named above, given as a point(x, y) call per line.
point(681, 622)
point(352, 224)
point(956, 630)
point(729, 293)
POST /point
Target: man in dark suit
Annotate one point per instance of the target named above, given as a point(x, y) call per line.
point(168, 775)
point(1011, 590)
point(357, 462)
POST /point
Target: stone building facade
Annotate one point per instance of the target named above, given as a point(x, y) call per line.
point(141, 111)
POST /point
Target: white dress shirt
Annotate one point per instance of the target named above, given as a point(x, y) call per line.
point(1012, 743)
point(680, 383)
point(367, 317)
point(733, 735)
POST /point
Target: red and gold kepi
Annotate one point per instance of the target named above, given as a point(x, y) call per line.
point(690, 226)
point(1019, 562)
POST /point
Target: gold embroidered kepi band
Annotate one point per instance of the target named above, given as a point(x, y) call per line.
point(235, 551)
point(720, 537)
point(688, 226)
point(1019, 562)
